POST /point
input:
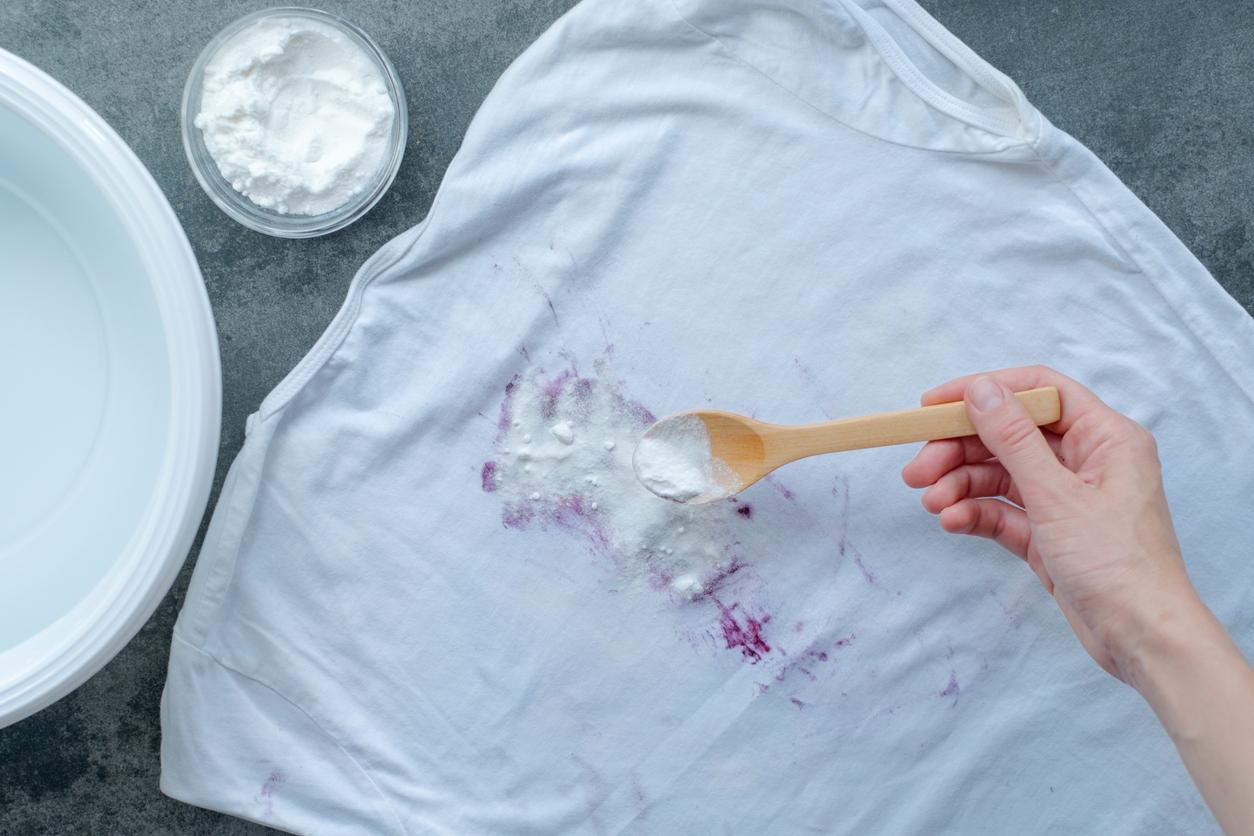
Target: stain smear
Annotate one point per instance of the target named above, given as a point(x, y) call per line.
point(743, 633)
point(866, 573)
point(487, 478)
point(266, 793)
point(951, 689)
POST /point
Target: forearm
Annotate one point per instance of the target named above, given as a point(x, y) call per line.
point(1202, 689)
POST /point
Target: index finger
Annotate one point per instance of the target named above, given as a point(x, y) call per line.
point(1075, 397)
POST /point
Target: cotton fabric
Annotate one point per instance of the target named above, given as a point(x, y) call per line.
point(787, 208)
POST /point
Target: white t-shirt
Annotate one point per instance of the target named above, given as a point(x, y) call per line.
point(421, 609)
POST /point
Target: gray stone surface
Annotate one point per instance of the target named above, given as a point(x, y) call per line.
point(1161, 90)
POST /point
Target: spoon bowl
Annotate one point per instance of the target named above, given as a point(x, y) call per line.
point(740, 443)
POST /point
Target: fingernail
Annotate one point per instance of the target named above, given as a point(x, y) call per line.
point(985, 394)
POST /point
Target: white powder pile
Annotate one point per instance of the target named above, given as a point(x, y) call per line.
point(674, 461)
point(296, 115)
point(563, 460)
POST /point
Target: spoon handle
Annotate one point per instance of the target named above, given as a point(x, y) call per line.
point(947, 420)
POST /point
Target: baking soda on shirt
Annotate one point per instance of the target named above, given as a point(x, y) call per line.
point(564, 460)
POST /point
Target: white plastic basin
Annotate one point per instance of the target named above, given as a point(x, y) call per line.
point(110, 392)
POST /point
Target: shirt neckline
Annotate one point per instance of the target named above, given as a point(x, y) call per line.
point(962, 56)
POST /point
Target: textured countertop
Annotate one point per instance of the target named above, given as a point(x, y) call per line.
point(1160, 90)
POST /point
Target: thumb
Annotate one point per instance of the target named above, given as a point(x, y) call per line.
point(1010, 434)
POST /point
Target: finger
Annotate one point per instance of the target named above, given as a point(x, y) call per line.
point(970, 480)
point(1076, 399)
point(1009, 433)
point(993, 519)
point(936, 458)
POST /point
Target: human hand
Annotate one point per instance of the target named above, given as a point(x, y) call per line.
point(1081, 500)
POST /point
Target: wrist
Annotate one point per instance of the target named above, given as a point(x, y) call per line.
point(1169, 649)
point(1157, 629)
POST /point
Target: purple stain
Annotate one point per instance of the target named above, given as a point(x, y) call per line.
point(841, 491)
point(745, 511)
point(812, 655)
point(275, 778)
point(581, 390)
point(804, 663)
point(571, 513)
point(845, 642)
point(866, 573)
point(507, 408)
point(784, 491)
point(634, 409)
point(488, 477)
point(798, 627)
point(796, 702)
point(745, 637)
point(517, 516)
point(806, 374)
point(526, 355)
point(717, 579)
point(552, 390)
point(952, 689)
point(1010, 615)
point(266, 793)
point(638, 792)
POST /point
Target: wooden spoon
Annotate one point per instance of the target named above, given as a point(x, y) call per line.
point(751, 449)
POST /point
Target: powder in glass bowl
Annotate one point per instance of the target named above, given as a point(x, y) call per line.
point(296, 115)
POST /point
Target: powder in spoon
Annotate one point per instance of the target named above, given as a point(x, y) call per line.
point(296, 115)
point(673, 460)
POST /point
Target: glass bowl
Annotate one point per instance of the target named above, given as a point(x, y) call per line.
point(240, 207)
